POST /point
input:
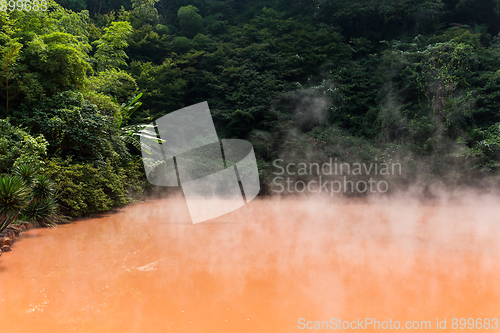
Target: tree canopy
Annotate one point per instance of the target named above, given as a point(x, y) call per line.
point(415, 80)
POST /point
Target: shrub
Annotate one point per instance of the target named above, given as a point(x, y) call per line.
point(83, 188)
point(18, 147)
point(27, 193)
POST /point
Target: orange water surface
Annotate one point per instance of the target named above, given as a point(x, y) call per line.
point(262, 268)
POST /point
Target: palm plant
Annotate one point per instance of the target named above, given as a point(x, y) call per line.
point(43, 211)
point(27, 193)
point(127, 110)
point(14, 196)
point(26, 172)
point(130, 134)
point(42, 188)
point(42, 207)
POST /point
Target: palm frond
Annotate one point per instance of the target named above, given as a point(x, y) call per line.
point(14, 196)
point(26, 171)
point(43, 187)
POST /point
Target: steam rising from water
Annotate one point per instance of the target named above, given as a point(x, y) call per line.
point(258, 269)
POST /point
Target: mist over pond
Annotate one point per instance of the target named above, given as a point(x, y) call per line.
point(259, 269)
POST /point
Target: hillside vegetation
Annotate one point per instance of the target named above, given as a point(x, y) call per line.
point(416, 82)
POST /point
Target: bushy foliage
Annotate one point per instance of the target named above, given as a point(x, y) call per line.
point(74, 101)
point(17, 147)
point(84, 188)
point(74, 128)
point(190, 21)
point(110, 47)
point(41, 54)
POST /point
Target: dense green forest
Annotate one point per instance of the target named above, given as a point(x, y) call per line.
point(414, 81)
